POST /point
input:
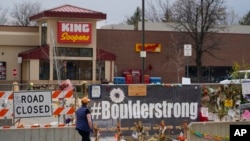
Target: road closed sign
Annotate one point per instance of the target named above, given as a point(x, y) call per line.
point(32, 104)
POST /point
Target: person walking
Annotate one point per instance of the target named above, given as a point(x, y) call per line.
point(84, 123)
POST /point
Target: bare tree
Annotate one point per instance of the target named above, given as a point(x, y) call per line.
point(158, 11)
point(245, 20)
point(3, 15)
point(200, 19)
point(232, 17)
point(135, 19)
point(176, 57)
point(22, 11)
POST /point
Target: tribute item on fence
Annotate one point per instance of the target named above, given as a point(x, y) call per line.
point(150, 104)
point(32, 104)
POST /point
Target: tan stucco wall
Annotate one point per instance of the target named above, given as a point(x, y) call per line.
point(34, 70)
point(25, 70)
point(19, 38)
point(14, 40)
point(9, 54)
point(109, 70)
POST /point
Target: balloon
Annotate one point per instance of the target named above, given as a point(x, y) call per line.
point(209, 137)
point(198, 134)
point(66, 85)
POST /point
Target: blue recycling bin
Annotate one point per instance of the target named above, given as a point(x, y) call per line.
point(119, 80)
point(155, 80)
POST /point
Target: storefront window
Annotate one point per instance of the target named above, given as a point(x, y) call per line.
point(44, 33)
point(74, 70)
point(44, 70)
point(74, 52)
point(100, 70)
point(2, 70)
point(211, 74)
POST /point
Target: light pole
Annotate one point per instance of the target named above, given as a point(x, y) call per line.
point(19, 61)
point(143, 53)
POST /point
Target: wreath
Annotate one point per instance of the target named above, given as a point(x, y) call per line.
point(117, 95)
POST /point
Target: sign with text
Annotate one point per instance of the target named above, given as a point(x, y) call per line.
point(239, 132)
point(148, 47)
point(74, 32)
point(137, 90)
point(246, 90)
point(32, 104)
point(149, 104)
point(187, 50)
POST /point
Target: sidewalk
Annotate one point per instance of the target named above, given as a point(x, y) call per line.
point(105, 139)
point(130, 139)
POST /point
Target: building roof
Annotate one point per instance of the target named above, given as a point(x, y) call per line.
point(40, 52)
point(43, 53)
point(70, 12)
point(104, 55)
point(149, 26)
point(160, 26)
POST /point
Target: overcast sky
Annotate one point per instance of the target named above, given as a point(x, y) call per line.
point(117, 10)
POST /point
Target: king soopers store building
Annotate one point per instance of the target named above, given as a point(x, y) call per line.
point(66, 44)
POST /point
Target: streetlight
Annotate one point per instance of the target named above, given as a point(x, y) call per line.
point(143, 52)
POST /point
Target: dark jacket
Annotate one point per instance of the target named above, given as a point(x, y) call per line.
point(81, 119)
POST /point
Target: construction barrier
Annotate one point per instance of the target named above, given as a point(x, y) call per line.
point(21, 126)
point(53, 133)
point(197, 131)
point(62, 103)
point(214, 131)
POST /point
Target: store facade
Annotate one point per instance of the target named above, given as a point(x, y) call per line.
point(168, 61)
point(63, 46)
point(67, 45)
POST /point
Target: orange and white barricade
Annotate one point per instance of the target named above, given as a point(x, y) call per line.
point(6, 103)
point(63, 106)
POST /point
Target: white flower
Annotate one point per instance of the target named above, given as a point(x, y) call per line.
point(117, 95)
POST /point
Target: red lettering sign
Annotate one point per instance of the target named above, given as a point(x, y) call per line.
point(148, 47)
point(74, 32)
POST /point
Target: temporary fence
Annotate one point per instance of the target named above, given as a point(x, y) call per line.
point(123, 108)
point(39, 134)
point(63, 103)
point(213, 131)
